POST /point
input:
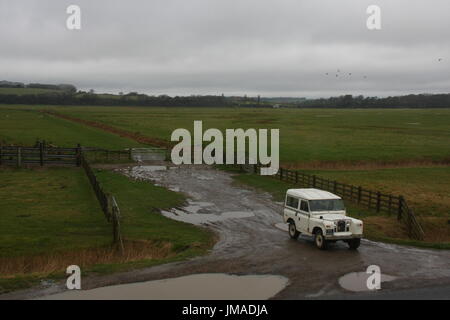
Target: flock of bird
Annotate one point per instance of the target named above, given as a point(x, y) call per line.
point(338, 72)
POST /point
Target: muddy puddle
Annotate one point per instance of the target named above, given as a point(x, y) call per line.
point(203, 218)
point(208, 286)
point(357, 281)
point(195, 212)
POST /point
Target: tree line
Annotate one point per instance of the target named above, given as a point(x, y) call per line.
point(63, 87)
point(92, 99)
point(67, 94)
point(406, 101)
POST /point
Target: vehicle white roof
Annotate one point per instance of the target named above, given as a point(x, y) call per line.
point(312, 194)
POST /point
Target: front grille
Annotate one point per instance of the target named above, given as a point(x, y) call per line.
point(341, 226)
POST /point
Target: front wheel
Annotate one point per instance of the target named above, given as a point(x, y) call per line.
point(354, 243)
point(319, 239)
point(293, 233)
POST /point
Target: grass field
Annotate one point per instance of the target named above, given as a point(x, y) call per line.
point(50, 218)
point(24, 127)
point(308, 137)
point(400, 151)
point(47, 210)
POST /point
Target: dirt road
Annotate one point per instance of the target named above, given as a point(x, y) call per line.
point(252, 242)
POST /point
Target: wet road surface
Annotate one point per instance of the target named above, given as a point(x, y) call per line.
point(253, 242)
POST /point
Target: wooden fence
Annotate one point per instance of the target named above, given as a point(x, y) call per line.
point(374, 200)
point(104, 155)
point(131, 154)
point(40, 155)
point(107, 202)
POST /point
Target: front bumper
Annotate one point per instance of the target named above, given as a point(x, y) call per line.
point(342, 236)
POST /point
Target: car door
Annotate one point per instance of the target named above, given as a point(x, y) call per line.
point(291, 208)
point(303, 216)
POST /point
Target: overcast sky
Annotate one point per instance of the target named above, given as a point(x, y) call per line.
point(267, 47)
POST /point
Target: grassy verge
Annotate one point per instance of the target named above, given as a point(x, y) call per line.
point(139, 203)
point(377, 227)
point(51, 219)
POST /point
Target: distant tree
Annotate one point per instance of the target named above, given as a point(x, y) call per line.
point(68, 88)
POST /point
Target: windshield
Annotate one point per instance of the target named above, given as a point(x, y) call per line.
point(326, 205)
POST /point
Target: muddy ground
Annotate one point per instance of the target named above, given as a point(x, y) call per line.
point(252, 241)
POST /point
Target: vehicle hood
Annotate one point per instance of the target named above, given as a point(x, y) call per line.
point(333, 216)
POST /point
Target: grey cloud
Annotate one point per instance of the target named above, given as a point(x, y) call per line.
point(267, 47)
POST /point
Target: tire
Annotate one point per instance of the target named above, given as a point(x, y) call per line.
point(293, 233)
point(353, 244)
point(319, 240)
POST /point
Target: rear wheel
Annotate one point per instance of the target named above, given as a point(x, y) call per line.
point(354, 243)
point(293, 233)
point(319, 239)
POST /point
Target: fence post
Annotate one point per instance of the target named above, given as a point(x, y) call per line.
point(117, 237)
point(255, 168)
point(359, 194)
point(130, 155)
point(390, 204)
point(281, 173)
point(378, 201)
point(78, 155)
point(41, 154)
point(314, 181)
point(400, 208)
point(334, 186)
point(296, 177)
point(19, 156)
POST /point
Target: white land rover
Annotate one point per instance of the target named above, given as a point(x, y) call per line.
point(320, 214)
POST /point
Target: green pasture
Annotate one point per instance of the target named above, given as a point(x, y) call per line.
point(306, 135)
point(21, 127)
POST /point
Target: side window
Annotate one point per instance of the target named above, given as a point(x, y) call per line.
point(292, 202)
point(304, 206)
